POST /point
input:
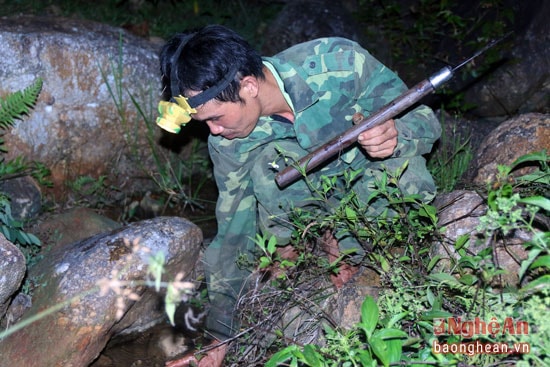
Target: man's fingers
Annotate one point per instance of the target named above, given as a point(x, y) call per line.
point(380, 141)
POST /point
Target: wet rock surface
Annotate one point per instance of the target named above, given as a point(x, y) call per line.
point(88, 316)
point(12, 271)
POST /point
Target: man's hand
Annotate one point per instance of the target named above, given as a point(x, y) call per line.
point(380, 141)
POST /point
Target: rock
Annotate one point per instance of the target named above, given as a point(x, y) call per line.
point(351, 296)
point(305, 20)
point(18, 306)
point(303, 322)
point(76, 333)
point(72, 225)
point(522, 84)
point(510, 140)
point(459, 212)
point(12, 271)
point(150, 349)
point(25, 197)
point(75, 128)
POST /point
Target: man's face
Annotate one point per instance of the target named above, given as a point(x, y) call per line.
point(229, 119)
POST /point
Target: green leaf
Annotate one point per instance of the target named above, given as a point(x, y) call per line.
point(350, 213)
point(380, 349)
point(391, 333)
point(369, 315)
point(461, 241)
point(311, 357)
point(537, 284)
point(444, 278)
point(428, 211)
point(431, 297)
point(433, 262)
point(526, 264)
point(543, 261)
point(272, 245)
point(17, 104)
point(384, 264)
point(264, 262)
point(468, 279)
point(436, 314)
point(365, 358)
point(395, 349)
point(281, 356)
point(531, 157)
point(395, 318)
point(540, 177)
point(539, 201)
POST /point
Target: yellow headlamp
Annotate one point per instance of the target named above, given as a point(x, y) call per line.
point(173, 115)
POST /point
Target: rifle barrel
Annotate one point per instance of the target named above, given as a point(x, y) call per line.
point(339, 143)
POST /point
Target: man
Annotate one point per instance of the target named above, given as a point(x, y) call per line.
point(261, 110)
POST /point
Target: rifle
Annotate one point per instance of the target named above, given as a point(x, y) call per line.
point(390, 110)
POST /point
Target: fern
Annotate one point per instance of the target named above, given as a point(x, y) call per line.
point(18, 104)
point(12, 107)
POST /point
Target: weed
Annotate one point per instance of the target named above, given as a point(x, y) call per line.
point(450, 160)
point(398, 328)
point(181, 179)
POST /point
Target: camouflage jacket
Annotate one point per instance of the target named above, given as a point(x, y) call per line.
point(327, 81)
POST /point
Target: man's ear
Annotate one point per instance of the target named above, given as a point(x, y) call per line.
point(249, 86)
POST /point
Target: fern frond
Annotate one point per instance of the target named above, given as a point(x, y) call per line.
point(16, 104)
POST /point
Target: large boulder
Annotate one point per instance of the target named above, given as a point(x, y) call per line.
point(84, 122)
point(459, 215)
point(93, 284)
point(304, 20)
point(522, 84)
point(12, 271)
point(512, 139)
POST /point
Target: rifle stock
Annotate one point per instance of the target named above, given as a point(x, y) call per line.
point(339, 143)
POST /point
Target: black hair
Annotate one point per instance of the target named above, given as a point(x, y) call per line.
point(205, 57)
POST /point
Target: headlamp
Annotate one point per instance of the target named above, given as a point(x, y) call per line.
point(173, 115)
point(177, 112)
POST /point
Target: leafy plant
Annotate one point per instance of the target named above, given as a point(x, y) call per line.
point(14, 232)
point(369, 344)
point(398, 328)
point(15, 106)
point(387, 219)
point(92, 192)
